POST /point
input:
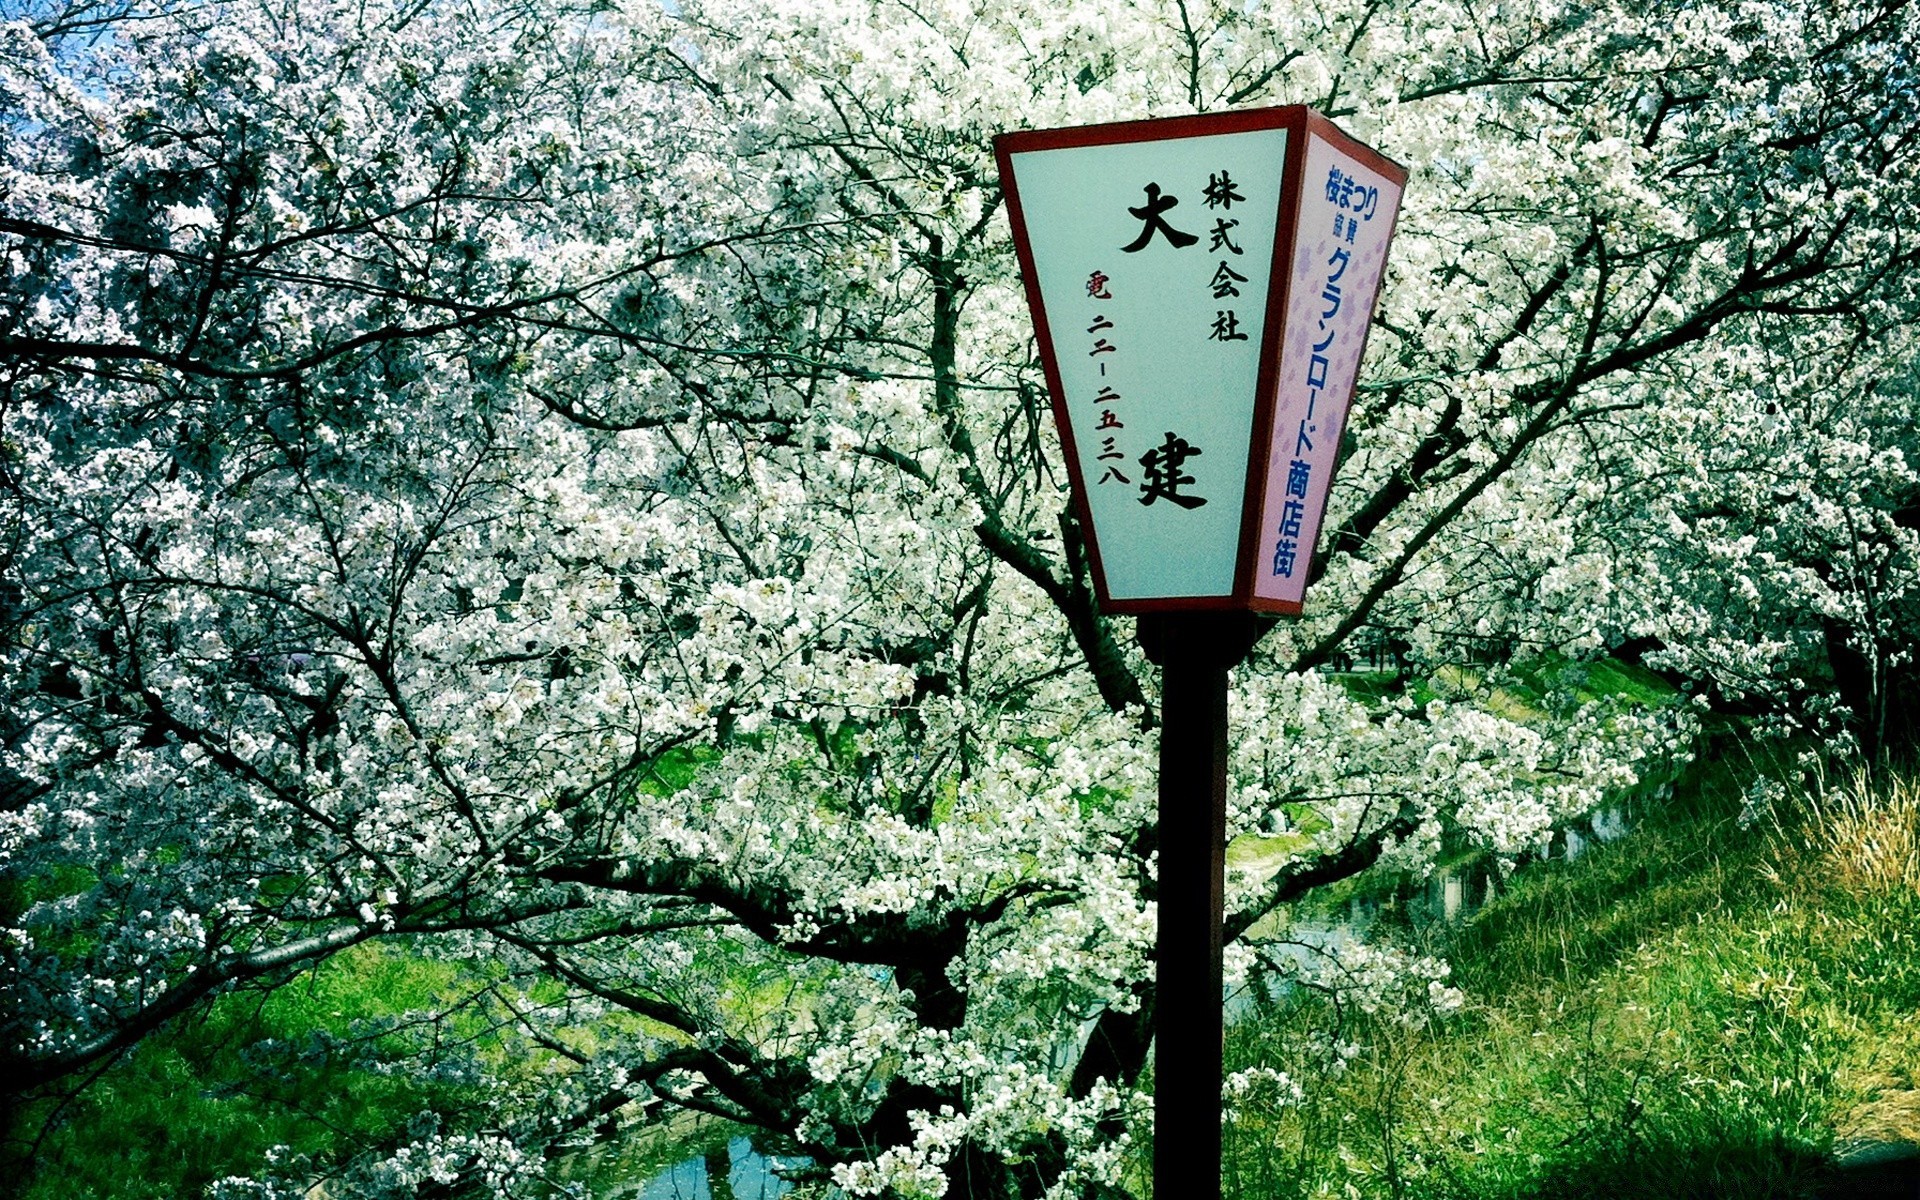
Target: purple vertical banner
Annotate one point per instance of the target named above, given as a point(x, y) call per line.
point(1347, 211)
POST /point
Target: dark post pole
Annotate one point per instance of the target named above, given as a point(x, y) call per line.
point(1194, 651)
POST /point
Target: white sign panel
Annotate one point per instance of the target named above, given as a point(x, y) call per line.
point(1152, 261)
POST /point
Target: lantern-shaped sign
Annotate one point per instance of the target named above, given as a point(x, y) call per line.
point(1201, 288)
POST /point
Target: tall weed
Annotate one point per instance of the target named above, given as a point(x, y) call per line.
point(1867, 834)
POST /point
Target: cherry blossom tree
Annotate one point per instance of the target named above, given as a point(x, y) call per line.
point(566, 489)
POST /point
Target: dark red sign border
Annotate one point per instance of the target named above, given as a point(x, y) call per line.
point(1300, 122)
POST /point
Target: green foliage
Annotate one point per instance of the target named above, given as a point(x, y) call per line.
point(675, 768)
point(304, 1070)
point(1522, 686)
point(17, 895)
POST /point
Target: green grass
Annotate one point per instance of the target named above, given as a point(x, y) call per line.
point(1561, 923)
point(1698, 1010)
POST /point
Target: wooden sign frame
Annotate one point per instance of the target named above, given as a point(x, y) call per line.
point(1300, 123)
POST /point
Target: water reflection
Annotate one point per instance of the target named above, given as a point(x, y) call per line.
point(731, 1170)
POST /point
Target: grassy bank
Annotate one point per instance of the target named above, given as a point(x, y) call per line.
point(327, 1063)
point(1697, 1010)
point(1701, 1009)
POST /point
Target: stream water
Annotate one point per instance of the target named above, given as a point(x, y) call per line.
point(733, 1171)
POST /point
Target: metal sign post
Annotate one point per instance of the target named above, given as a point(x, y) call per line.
point(1194, 652)
point(1201, 289)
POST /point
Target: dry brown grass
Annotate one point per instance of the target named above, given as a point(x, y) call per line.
point(1866, 834)
point(1887, 1080)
